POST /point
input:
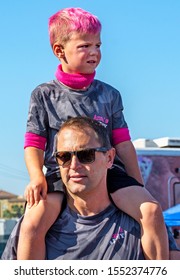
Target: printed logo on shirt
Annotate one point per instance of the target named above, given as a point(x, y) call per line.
point(116, 236)
point(101, 119)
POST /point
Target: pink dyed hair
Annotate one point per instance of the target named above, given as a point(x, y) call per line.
point(69, 20)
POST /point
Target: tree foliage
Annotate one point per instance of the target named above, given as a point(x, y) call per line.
point(16, 212)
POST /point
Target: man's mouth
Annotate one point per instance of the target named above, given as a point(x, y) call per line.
point(77, 178)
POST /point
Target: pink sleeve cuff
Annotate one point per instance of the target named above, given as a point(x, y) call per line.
point(120, 135)
point(34, 140)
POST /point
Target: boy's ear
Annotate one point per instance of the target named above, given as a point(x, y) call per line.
point(58, 51)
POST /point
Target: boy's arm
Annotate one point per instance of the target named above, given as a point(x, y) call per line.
point(127, 154)
point(37, 187)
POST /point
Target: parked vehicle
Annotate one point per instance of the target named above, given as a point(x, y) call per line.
point(159, 161)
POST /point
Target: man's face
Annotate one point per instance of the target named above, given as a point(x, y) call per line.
point(80, 178)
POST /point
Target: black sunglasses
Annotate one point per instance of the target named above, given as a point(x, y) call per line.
point(84, 156)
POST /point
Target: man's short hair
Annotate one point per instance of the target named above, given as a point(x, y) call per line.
point(83, 122)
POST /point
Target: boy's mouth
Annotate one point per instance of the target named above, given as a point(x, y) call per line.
point(91, 61)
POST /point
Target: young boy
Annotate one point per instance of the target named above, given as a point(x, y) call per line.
point(75, 40)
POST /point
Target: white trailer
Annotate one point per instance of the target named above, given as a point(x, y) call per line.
point(159, 161)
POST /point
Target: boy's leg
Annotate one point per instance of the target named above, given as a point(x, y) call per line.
point(138, 203)
point(36, 222)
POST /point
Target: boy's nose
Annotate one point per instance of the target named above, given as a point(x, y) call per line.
point(94, 51)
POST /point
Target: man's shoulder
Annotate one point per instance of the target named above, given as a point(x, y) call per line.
point(128, 221)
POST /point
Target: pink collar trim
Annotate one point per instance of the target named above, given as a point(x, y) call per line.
point(75, 81)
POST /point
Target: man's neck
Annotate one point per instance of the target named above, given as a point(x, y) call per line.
point(89, 206)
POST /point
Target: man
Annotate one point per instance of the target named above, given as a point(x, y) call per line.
point(90, 226)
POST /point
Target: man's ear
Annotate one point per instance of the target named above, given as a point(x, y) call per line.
point(110, 157)
point(58, 51)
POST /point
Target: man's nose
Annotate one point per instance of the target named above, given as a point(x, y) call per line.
point(74, 162)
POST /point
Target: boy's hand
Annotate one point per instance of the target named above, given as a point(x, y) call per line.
point(36, 190)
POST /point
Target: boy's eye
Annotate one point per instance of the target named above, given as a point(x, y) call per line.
point(84, 46)
point(88, 45)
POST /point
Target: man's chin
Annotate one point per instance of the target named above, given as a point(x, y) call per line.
point(77, 188)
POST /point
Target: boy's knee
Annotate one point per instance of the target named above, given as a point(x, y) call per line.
point(152, 212)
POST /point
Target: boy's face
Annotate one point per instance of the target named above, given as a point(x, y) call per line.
point(81, 54)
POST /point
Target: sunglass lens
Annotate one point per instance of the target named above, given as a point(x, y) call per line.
point(64, 157)
point(86, 156)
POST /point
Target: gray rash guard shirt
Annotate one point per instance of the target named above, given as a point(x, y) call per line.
point(109, 235)
point(52, 103)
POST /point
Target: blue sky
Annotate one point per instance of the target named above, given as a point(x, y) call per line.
point(140, 57)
